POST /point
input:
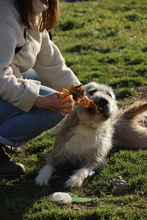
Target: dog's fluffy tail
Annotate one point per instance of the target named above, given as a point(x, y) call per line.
point(131, 127)
point(134, 110)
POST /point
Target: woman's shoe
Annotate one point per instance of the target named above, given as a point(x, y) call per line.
point(8, 168)
point(11, 150)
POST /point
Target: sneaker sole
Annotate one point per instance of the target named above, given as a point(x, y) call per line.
point(12, 176)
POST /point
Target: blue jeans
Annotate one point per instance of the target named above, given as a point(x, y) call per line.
point(18, 127)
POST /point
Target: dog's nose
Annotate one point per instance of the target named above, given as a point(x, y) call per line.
point(102, 102)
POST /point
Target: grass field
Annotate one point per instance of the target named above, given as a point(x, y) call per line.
point(104, 41)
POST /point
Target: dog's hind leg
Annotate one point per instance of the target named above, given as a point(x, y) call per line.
point(130, 135)
point(130, 128)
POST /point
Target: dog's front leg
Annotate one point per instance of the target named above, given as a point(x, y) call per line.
point(78, 177)
point(44, 175)
point(52, 160)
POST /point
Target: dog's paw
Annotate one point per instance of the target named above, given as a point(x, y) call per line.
point(41, 180)
point(73, 181)
point(44, 175)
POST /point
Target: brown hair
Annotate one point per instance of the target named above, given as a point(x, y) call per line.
point(49, 17)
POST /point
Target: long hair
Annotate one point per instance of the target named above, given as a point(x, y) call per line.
point(48, 19)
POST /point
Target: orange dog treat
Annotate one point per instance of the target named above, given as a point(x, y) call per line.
point(64, 93)
point(72, 86)
point(88, 103)
point(76, 91)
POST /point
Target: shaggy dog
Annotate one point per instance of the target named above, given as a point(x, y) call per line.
point(84, 136)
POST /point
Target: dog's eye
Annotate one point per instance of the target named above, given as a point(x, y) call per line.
point(91, 92)
point(109, 94)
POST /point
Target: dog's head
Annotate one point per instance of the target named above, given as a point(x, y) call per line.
point(103, 97)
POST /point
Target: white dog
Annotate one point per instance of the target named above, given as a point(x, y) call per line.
point(84, 136)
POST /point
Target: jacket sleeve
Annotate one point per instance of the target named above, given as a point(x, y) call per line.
point(51, 67)
point(19, 92)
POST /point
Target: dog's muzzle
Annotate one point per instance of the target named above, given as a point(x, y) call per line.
point(102, 103)
point(103, 107)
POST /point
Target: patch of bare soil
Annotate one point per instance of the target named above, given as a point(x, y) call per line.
point(142, 92)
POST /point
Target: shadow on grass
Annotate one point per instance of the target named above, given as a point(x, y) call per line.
point(21, 197)
point(18, 196)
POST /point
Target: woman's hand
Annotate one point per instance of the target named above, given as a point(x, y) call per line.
point(54, 103)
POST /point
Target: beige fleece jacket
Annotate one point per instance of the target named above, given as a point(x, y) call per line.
point(38, 52)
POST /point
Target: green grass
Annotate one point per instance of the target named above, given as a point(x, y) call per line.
point(104, 41)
